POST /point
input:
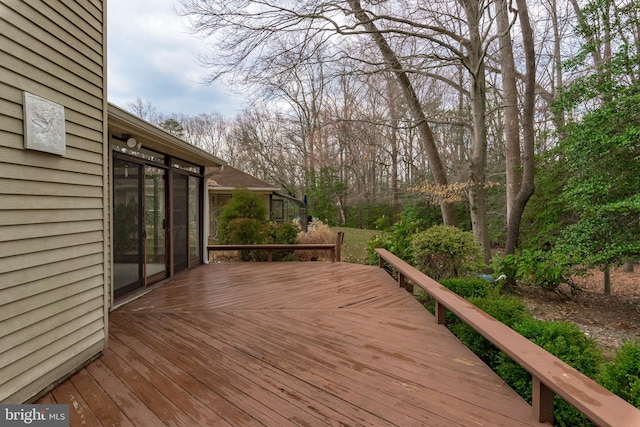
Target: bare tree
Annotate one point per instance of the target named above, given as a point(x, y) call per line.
point(143, 109)
point(207, 131)
point(528, 132)
point(294, 51)
point(246, 32)
point(411, 98)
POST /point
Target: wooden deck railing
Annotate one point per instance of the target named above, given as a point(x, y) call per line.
point(550, 375)
point(334, 248)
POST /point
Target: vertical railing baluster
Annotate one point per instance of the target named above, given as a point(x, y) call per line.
point(441, 314)
point(339, 240)
point(542, 401)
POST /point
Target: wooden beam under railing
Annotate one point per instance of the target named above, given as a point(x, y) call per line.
point(334, 248)
point(551, 376)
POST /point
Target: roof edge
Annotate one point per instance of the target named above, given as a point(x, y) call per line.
point(160, 136)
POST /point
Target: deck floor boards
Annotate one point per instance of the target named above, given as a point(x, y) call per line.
point(277, 344)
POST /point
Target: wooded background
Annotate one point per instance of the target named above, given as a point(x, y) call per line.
point(456, 108)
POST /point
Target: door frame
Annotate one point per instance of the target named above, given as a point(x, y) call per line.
point(144, 281)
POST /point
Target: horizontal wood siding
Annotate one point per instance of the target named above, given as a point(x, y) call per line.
point(52, 208)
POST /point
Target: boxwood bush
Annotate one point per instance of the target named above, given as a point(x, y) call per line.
point(565, 341)
point(282, 233)
point(562, 339)
point(622, 374)
point(507, 309)
point(469, 287)
point(243, 221)
point(466, 287)
point(443, 252)
point(243, 205)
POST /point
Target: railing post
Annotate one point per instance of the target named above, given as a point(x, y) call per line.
point(380, 261)
point(541, 401)
point(404, 283)
point(408, 286)
point(441, 314)
point(339, 239)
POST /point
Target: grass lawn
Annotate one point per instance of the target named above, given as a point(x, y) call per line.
point(354, 248)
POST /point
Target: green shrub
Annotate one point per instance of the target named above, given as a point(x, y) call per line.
point(507, 265)
point(469, 287)
point(367, 213)
point(282, 233)
point(622, 375)
point(565, 341)
point(443, 252)
point(546, 214)
point(507, 309)
point(546, 269)
point(466, 287)
point(244, 231)
point(397, 239)
point(243, 204)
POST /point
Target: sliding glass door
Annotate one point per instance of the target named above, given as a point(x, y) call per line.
point(187, 221)
point(155, 224)
point(127, 232)
point(180, 222)
point(139, 226)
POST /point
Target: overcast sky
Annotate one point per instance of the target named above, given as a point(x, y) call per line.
point(152, 56)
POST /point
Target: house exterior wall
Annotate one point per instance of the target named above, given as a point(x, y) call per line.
point(54, 250)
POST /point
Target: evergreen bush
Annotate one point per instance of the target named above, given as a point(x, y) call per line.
point(367, 213)
point(243, 221)
point(469, 287)
point(243, 204)
point(565, 341)
point(442, 252)
point(548, 270)
point(279, 233)
point(622, 375)
point(244, 231)
point(413, 219)
point(507, 309)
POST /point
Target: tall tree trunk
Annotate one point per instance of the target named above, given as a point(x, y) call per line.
point(510, 105)
point(415, 107)
point(595, 53)
point(477, 170)
point(607, 280)
point(460, 153)
point(393, 114)
point(528, 133)
point(557, 86)
point(478, 163)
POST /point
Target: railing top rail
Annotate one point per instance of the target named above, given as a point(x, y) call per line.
point(597, 403)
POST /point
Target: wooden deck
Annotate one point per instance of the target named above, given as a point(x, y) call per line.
point(277, 344)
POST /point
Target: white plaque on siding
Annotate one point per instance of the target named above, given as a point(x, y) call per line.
point(43, 125)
